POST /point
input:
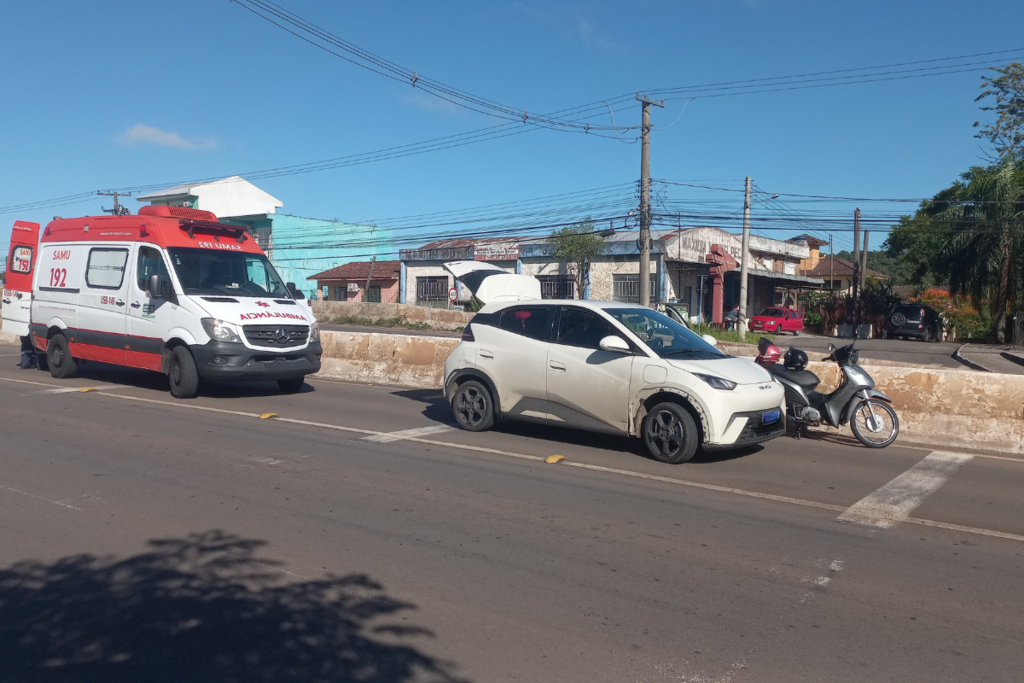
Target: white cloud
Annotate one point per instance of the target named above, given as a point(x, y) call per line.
point(573, 16)
point(421, 100)
point(141, 134)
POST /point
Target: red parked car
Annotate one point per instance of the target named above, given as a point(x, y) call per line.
point(777, 321)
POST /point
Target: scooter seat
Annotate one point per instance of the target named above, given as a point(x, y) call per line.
point(803, 378)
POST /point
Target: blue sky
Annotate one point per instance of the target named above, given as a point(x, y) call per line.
point(115, 94)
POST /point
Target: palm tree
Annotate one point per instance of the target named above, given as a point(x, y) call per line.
point(984, 246)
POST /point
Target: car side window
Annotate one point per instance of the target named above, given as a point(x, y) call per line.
point(150, 263)
point(105, 268)
point(577, 327)
point(533, 322)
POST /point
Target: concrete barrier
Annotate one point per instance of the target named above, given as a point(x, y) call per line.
point(937, 407)
point(436, 318)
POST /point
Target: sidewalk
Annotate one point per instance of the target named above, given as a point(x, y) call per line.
point(1007, 360)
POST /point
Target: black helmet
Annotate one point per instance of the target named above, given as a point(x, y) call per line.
point(795, 359)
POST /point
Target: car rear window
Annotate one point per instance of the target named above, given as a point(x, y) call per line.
point(910, 311)
point(532, 322)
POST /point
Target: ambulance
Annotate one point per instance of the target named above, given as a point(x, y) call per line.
point(170, 290)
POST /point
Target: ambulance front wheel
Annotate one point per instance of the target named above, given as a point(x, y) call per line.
point(58, 357)
point(183, 376)
point(291, 385)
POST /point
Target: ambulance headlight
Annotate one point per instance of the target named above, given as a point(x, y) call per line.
point(314, 332)
point(221, 330)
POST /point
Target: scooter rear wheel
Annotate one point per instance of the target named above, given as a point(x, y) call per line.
point(875, 423)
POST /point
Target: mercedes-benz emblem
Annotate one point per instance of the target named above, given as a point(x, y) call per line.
point(899, 320)
point(282, 336)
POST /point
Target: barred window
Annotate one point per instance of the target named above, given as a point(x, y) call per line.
point(627, 288)
point(557, 287)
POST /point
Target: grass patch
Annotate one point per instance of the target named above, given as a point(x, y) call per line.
point(732, 336)
point(393, 323)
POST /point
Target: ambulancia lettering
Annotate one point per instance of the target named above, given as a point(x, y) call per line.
point(269, 314)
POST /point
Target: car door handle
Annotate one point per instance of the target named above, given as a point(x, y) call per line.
point(555, 365)
point(136, 304)
point(486, 354)
point(119, 303)
point(7, 301)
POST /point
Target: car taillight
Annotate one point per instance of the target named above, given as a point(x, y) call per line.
point(920, 327)
point(467, 333)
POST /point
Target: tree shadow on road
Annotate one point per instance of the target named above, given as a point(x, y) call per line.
point(205, 608)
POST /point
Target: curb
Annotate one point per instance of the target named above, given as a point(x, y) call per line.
point(971, 364)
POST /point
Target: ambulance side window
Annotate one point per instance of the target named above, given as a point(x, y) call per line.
point(106, 268)
point(150, 263)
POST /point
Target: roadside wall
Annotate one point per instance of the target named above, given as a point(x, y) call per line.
point(438, 318)
point(937, 407)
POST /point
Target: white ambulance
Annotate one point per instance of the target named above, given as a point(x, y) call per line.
point(170, 290)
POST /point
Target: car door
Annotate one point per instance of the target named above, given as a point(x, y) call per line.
point(514, 355)
point(148, 316)
point(17, 294)
point(587, 387)
point(102, 317)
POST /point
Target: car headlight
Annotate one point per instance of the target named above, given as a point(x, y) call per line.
point(717, 382)
point(314, 332)
point(221, 330)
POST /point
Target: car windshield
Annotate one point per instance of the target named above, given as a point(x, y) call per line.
point(664, 336)
point(772, 313)
point(233, 273)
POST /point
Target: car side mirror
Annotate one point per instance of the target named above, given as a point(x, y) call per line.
point(156, 287)
point(614, 344)
point(709, 339)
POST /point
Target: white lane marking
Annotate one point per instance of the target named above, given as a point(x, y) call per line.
point(407, 434)
point(71, 390)
point(522, 456)
point(32, 495)
point(893, 503)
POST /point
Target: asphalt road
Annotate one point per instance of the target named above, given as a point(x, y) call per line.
point(151, 539)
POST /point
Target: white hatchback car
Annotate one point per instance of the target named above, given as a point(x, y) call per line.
point(603, 366)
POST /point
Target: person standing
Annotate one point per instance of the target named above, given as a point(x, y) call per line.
point(29, 359)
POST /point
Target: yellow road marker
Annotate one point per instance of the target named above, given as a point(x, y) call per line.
point(553, 459)
point(82, 391)
point(267, 416)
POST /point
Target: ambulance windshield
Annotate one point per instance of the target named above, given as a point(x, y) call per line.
point(205, 271)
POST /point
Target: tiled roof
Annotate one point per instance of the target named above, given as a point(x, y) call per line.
point(360, 270)
point(843, 268)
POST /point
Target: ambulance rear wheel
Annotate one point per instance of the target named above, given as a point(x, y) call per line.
point(183, 376)
point(291, 385)
point(58, 357)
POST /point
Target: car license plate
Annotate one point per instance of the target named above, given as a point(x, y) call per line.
point(769, 417)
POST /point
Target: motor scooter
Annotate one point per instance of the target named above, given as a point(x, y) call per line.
point(855, 401)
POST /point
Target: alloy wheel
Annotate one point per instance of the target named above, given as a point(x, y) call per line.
point(471, 406)
point(665, 433)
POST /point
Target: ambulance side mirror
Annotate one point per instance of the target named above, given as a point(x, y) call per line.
point(156, 287)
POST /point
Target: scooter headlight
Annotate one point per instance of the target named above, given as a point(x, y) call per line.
point(221, 330)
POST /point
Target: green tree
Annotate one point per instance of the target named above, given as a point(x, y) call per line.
point(971, 235)
point(1006, 133)
point(578, 245)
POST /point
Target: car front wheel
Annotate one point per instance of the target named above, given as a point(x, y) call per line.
point(473, 407)
point(669, 433)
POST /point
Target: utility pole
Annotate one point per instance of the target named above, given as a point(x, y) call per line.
point(645, 200)
point(864, 263)
point(741, 320)
point(366, 289)
point(118, 210)
point(831, 265)
point(856, 272)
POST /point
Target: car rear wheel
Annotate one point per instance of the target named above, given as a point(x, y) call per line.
point(669, 433)
point(473, 407)
point(183, 376)
point(58, 357)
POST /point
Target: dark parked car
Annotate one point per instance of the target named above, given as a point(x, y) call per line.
point(914, 320)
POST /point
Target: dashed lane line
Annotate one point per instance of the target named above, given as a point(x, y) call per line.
point(407, 434)
point(32, 495)
point(596, 468)
point(893, 503)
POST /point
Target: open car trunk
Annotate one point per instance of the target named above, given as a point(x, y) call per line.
point(489, 283)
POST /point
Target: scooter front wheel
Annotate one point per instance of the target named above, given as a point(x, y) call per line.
point(875, 424)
